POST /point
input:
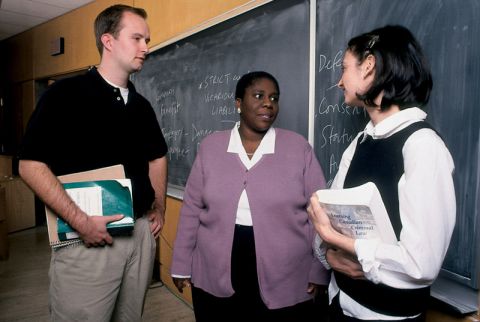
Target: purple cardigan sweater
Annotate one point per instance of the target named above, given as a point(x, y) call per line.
point(278, 188)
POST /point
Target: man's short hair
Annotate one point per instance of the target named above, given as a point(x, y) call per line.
point(108, 21)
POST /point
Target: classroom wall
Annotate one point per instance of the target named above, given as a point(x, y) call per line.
point(26, 58)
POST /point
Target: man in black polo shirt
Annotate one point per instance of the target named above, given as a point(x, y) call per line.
point(88, 122)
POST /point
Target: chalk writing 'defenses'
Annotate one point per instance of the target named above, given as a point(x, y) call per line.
point(330, 64)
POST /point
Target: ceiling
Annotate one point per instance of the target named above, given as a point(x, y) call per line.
point(19, 15)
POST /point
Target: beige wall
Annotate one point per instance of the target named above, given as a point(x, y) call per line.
point(77, 29)
point(169, 18)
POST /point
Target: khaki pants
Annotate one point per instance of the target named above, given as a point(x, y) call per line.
point(103, 283)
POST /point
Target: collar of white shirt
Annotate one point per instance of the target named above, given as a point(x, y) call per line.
point(394, 123)
point(267, 145)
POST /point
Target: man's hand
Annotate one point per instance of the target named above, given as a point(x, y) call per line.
point(344, 263)
point(93, 230)
point(157, 172)
point(180, 283)
point(156, 218)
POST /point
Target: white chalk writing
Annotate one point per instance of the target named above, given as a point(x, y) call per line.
point(177, 152)
point(220, 96)
point(217, 79)
point(166, 93)
point(223, 110)
point(171, 109)
point(173, 135)
point(329, 136)
point(198, 134)
point(324, 108)
point(330, 64)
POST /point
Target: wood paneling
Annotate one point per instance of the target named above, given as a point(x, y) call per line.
point(168, 18)
point(20, 204)
point(167, 238)
point(3, 225)
point(436, 316)
point(5, 166)
point(19, 57)
point(77, 29)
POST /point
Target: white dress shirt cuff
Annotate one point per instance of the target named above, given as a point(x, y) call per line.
point(180, 276)
point(366, 249)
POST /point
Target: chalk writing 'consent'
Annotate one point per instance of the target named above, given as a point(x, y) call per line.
point(324, 108)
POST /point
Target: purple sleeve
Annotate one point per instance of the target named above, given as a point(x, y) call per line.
point(189, 220)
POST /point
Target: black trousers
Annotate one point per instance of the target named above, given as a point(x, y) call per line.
point(336, 314)
point(246, 304)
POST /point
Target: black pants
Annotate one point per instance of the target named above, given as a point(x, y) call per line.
point(246, 304)
point(336, 314)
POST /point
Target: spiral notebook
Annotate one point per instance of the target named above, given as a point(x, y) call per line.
point(107, 173)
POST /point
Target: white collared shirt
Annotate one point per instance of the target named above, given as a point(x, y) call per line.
point(266, 146)
point(427, 211)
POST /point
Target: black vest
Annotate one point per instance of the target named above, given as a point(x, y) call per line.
point(381, 162)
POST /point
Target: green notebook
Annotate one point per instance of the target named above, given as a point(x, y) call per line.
point(101, 198)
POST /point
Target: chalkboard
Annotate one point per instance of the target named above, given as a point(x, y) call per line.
point(449, 32)
point(191, 83)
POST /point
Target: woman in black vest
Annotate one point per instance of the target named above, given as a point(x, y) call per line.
point(385, 72)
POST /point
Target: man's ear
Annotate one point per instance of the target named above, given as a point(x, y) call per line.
point(107, 41)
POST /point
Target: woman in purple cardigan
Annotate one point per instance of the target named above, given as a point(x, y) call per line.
point(244, 238)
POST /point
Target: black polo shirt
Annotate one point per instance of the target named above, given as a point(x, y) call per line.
point(82, 123)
